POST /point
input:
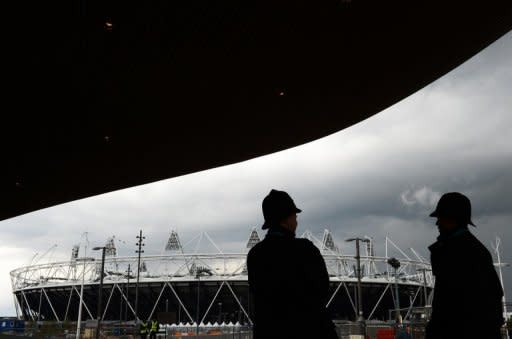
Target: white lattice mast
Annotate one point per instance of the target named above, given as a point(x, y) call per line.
point(74, 252)
point(254, 238)
point(74, 255)
point(330, 247)
point(110, 247)
point(328, 242)
point(143, 267)
point(111, 252)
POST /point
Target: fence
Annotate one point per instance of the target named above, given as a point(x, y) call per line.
point(344, 329)
point(217, 332)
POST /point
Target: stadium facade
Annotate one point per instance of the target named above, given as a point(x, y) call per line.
point(208, 287)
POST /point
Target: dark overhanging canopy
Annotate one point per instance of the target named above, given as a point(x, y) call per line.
point(117, 94)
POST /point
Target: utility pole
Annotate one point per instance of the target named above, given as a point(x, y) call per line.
point(128, 272)
point(360, 317)
point(139, 252)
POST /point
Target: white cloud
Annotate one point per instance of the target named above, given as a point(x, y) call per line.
point(423, 196)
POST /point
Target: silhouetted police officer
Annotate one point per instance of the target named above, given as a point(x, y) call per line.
point(467, 294)
point(287, 278)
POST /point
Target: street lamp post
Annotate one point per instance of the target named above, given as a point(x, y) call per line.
point(424, 270)
point(393, 262)
point(360, 317)
point(100, 294)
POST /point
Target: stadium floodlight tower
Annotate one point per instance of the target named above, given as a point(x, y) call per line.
point(254, 238)
point(360, 317)
point(174, 244)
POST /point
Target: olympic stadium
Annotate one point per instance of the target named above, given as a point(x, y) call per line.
point(182, 286)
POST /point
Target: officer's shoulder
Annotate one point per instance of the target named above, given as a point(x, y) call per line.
point(252, 250)
point(306, 244)
point(256, 247)
point(476, 247)
point(474, 241)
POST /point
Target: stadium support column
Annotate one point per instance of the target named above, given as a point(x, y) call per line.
point(139, 251)
point(425, 293)
point(198, 272)
point(360, 317)
point(198, 276)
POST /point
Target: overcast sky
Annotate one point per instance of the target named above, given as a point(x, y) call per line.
point(380, 177)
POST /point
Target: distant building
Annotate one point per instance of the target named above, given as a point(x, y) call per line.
point(11, 325)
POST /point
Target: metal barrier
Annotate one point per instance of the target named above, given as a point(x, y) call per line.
point(239, 332)
point(239, 335)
